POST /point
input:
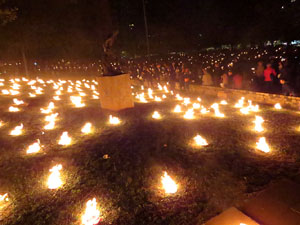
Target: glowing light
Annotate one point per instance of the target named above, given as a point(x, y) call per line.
point(189, 114)
point(54, 180)
point(215, 106)
point(178, 97)
point(13, 92)
point(18, 102)
point(244, 110)
point(150, 92)
point(64, 139)
point(5, 92)
point(17, 130)
point(177, 109)
point(92, 214)
point(114, 120)
point(164, 96)
point(56, 98)
point(186, 101)
point(223, 102)
point(4, 198)
point(13, 109)
point(196, 106)
point(204, 110)
point(159, 87)
point(166, 89)
point(87, 128)
point(262, 145)
point(200, 141)
point(95, 97)
point(76, 100)
point(240, 103)
point(258, 124)
point(156, 115)
point(169, 185)
point(157, 99)
point(277, 106)
point(50, 125)
point(32, 95)
point(34, 148)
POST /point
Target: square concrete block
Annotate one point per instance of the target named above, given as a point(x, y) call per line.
point(231, 216)
point(115, 92)
point(277, 205)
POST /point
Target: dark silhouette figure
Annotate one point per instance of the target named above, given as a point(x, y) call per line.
point(109, 57)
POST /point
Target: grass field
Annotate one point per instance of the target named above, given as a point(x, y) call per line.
point(122, 165)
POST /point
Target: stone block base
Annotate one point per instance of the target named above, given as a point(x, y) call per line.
point(231, 216)
point(115, 92)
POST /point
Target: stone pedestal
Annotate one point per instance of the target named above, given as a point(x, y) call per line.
point(231, 216)
point(115, 92)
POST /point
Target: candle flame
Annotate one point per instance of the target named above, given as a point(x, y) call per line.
point(169, 185)
point(54, 180)
point(156, 115)
point(64, 139)
point(262, 145)
point(92, 214)
point(17, 131)
point(277, 106)
point(34, 148)
point(114, 120)
point(200, 141)
point(87, 128)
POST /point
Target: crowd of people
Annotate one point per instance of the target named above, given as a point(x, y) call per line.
point(265, 69)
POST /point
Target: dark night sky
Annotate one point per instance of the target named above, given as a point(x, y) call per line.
point(52, 28)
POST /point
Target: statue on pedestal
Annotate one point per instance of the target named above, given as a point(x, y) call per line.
point(109, 57)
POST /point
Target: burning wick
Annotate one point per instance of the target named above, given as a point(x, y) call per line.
point(200, 141)
point(177, 109)
point(34, 148)
point(76, 100)
point(18, 102)
point(114, 120)
point(223, 102)
point(54, 180)
point(277, 106)
point(92, 214)
point(258, 124)
point(13, 109)
point(262, 145)
point(156, 115)
point(169, 185)
point(189, 114)
point(87, 128)
point(196, 106)
point(17, 131)
point(64, 139)
point(215, 106)
point(4, 198)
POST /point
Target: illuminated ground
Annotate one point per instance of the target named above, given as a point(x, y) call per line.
point(121, 166)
